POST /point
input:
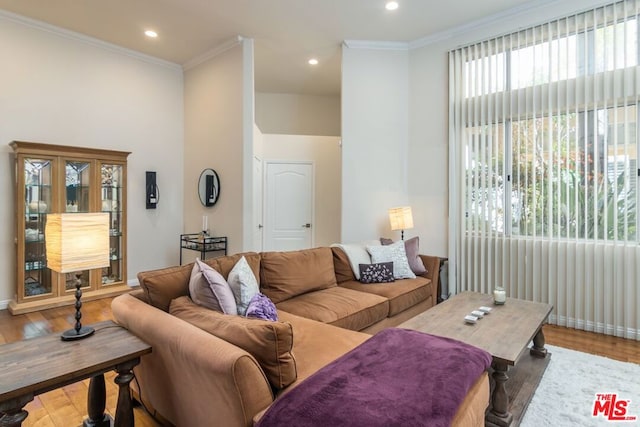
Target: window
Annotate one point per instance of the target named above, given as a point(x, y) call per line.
point(543, 172)
point(549, 136)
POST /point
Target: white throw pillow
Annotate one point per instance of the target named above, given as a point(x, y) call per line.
point(243, 284)
point(395, 253)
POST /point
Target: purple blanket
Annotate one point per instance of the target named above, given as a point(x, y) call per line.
point(396, 378)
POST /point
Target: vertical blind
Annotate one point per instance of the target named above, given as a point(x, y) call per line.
point(544, 141)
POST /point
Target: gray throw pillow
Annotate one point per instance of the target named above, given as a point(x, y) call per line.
point(393, 253)
point(412, 249)
point(208, 288)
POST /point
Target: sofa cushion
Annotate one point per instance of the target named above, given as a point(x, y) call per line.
point(317, 344)
point(225, 264)
point(341, 265)
point(339, 306)
point(269, 342)
point(284, 275)
point(402, 294)
point(165, 284)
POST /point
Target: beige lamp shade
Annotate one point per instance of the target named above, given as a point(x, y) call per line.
point(77, 241)
point(401, 218)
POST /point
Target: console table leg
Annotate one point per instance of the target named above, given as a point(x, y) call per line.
point(96, 403)
point(12, 413)
point(124, 409)
point(499, 414)
point(538, 349)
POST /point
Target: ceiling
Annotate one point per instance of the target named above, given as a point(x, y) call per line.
point(286, 33)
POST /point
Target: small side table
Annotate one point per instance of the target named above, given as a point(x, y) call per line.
point(38, 365)
point(202, 244)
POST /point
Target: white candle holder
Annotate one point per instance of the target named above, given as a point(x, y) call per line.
point(499, 295)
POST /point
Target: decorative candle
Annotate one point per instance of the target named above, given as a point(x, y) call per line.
point(205, 222)
point(499, 295)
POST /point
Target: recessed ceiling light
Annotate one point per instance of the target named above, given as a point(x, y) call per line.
point(391, 5)
point(313, 61)
point(151, 33)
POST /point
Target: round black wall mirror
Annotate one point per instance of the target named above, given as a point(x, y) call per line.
point(209, 187)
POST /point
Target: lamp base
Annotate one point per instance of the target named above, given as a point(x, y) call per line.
point(72, 334)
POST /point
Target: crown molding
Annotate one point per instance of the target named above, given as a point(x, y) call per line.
point(218, 50)
point(72, 35)
point(452, 32)
point(375, 45)
point(480, 23)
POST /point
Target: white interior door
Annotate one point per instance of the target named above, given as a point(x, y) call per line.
point(289, 206)
point(257, 204)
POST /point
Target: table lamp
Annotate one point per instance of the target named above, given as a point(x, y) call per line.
point(401, 219)
point(77, 242)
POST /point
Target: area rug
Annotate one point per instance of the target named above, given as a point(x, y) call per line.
point(575, 381)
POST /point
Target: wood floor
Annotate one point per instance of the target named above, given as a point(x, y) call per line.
point(67, 406)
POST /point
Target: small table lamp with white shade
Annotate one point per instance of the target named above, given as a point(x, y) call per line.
point(77, 242)
point(401, 219)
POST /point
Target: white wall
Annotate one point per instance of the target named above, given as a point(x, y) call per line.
point(297, 114)
point(73, 91)
point(214, 103)
point(428, 100)
point(324, 152)
point(375, 123)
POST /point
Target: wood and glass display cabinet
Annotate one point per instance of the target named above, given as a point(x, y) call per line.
point(55, 179)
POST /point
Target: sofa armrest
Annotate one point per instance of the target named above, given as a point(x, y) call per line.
point(432, 264)
point(192, 377)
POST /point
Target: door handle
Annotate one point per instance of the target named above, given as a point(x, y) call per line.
point(307, 225)
point(259, 225)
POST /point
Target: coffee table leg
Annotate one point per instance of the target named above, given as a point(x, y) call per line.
point(499, 414)
point(124, 410)
point(12, 413)
point(96, 403)
point(538, 349)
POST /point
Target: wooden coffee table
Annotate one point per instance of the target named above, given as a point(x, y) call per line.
point(505, 333)
point(38, 365)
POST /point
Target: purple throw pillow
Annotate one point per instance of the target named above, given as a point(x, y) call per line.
point(261, 307)
point(208, 288)
point(412, 248)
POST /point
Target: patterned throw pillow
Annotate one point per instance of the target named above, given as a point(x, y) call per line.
point(412, 248)
point(376, 273)
point(396, 253)
point(243, 283)
point(261, 307)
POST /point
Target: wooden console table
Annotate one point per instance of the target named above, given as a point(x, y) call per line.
point(35, 366)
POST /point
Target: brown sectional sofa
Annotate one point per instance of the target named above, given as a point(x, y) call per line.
point(193, 377)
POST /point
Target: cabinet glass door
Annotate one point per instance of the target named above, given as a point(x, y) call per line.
point(111, 194)
point(77, 185)
point(37, 200)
